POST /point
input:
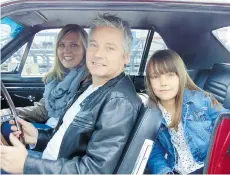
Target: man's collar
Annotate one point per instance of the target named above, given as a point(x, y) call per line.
point(109, 83)
point(114, 80)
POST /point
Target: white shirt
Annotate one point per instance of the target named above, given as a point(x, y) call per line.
point(186, 163)
point(52, 150)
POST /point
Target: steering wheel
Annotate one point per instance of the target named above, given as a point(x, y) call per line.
point(12, 116)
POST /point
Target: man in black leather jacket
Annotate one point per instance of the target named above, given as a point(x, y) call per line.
point(92, 134)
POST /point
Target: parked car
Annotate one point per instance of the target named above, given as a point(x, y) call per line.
point(198, 31)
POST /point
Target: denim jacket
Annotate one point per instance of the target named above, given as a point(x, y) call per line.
point(198, 119)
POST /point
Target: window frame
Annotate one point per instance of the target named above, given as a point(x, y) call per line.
point(218, 38)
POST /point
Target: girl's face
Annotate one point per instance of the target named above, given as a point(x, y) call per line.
point(70, 50)
point(165, 86)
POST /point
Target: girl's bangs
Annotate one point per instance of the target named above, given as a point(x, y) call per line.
point(162, 65)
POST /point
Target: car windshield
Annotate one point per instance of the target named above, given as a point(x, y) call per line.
point(9, 30)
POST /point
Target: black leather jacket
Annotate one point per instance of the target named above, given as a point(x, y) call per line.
point(95, 139)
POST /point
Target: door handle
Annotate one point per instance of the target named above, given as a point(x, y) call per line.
point(30, 97)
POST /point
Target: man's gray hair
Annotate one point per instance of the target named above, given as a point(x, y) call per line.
point(115, 22)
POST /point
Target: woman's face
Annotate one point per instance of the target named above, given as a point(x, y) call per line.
point(70, 50)
point(165, 86)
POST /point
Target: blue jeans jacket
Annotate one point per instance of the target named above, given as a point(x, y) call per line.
point(198, 119)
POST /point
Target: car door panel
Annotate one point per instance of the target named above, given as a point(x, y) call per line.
point(23, 91)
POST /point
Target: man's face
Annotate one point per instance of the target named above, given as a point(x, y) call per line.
point(106, 56)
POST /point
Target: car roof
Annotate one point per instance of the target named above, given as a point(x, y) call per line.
point(139, 13)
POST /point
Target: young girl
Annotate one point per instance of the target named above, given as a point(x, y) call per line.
point(189, 114)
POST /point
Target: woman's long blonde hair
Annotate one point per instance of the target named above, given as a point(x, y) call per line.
point(164, 61)
point(58, 69)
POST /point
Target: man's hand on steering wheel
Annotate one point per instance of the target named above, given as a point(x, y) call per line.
point(30, 133)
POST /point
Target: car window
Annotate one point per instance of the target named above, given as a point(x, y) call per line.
point(139, 39)
point(12, 63)
point(223, 35)
point(157, 44)
point(41, 56)
point(9, 30)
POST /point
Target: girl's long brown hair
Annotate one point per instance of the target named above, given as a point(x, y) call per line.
point(164, 61)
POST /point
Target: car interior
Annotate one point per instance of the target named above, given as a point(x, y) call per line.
point(184, 27)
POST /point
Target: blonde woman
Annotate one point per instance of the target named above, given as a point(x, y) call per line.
point(63, 81)
point(189, 114)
